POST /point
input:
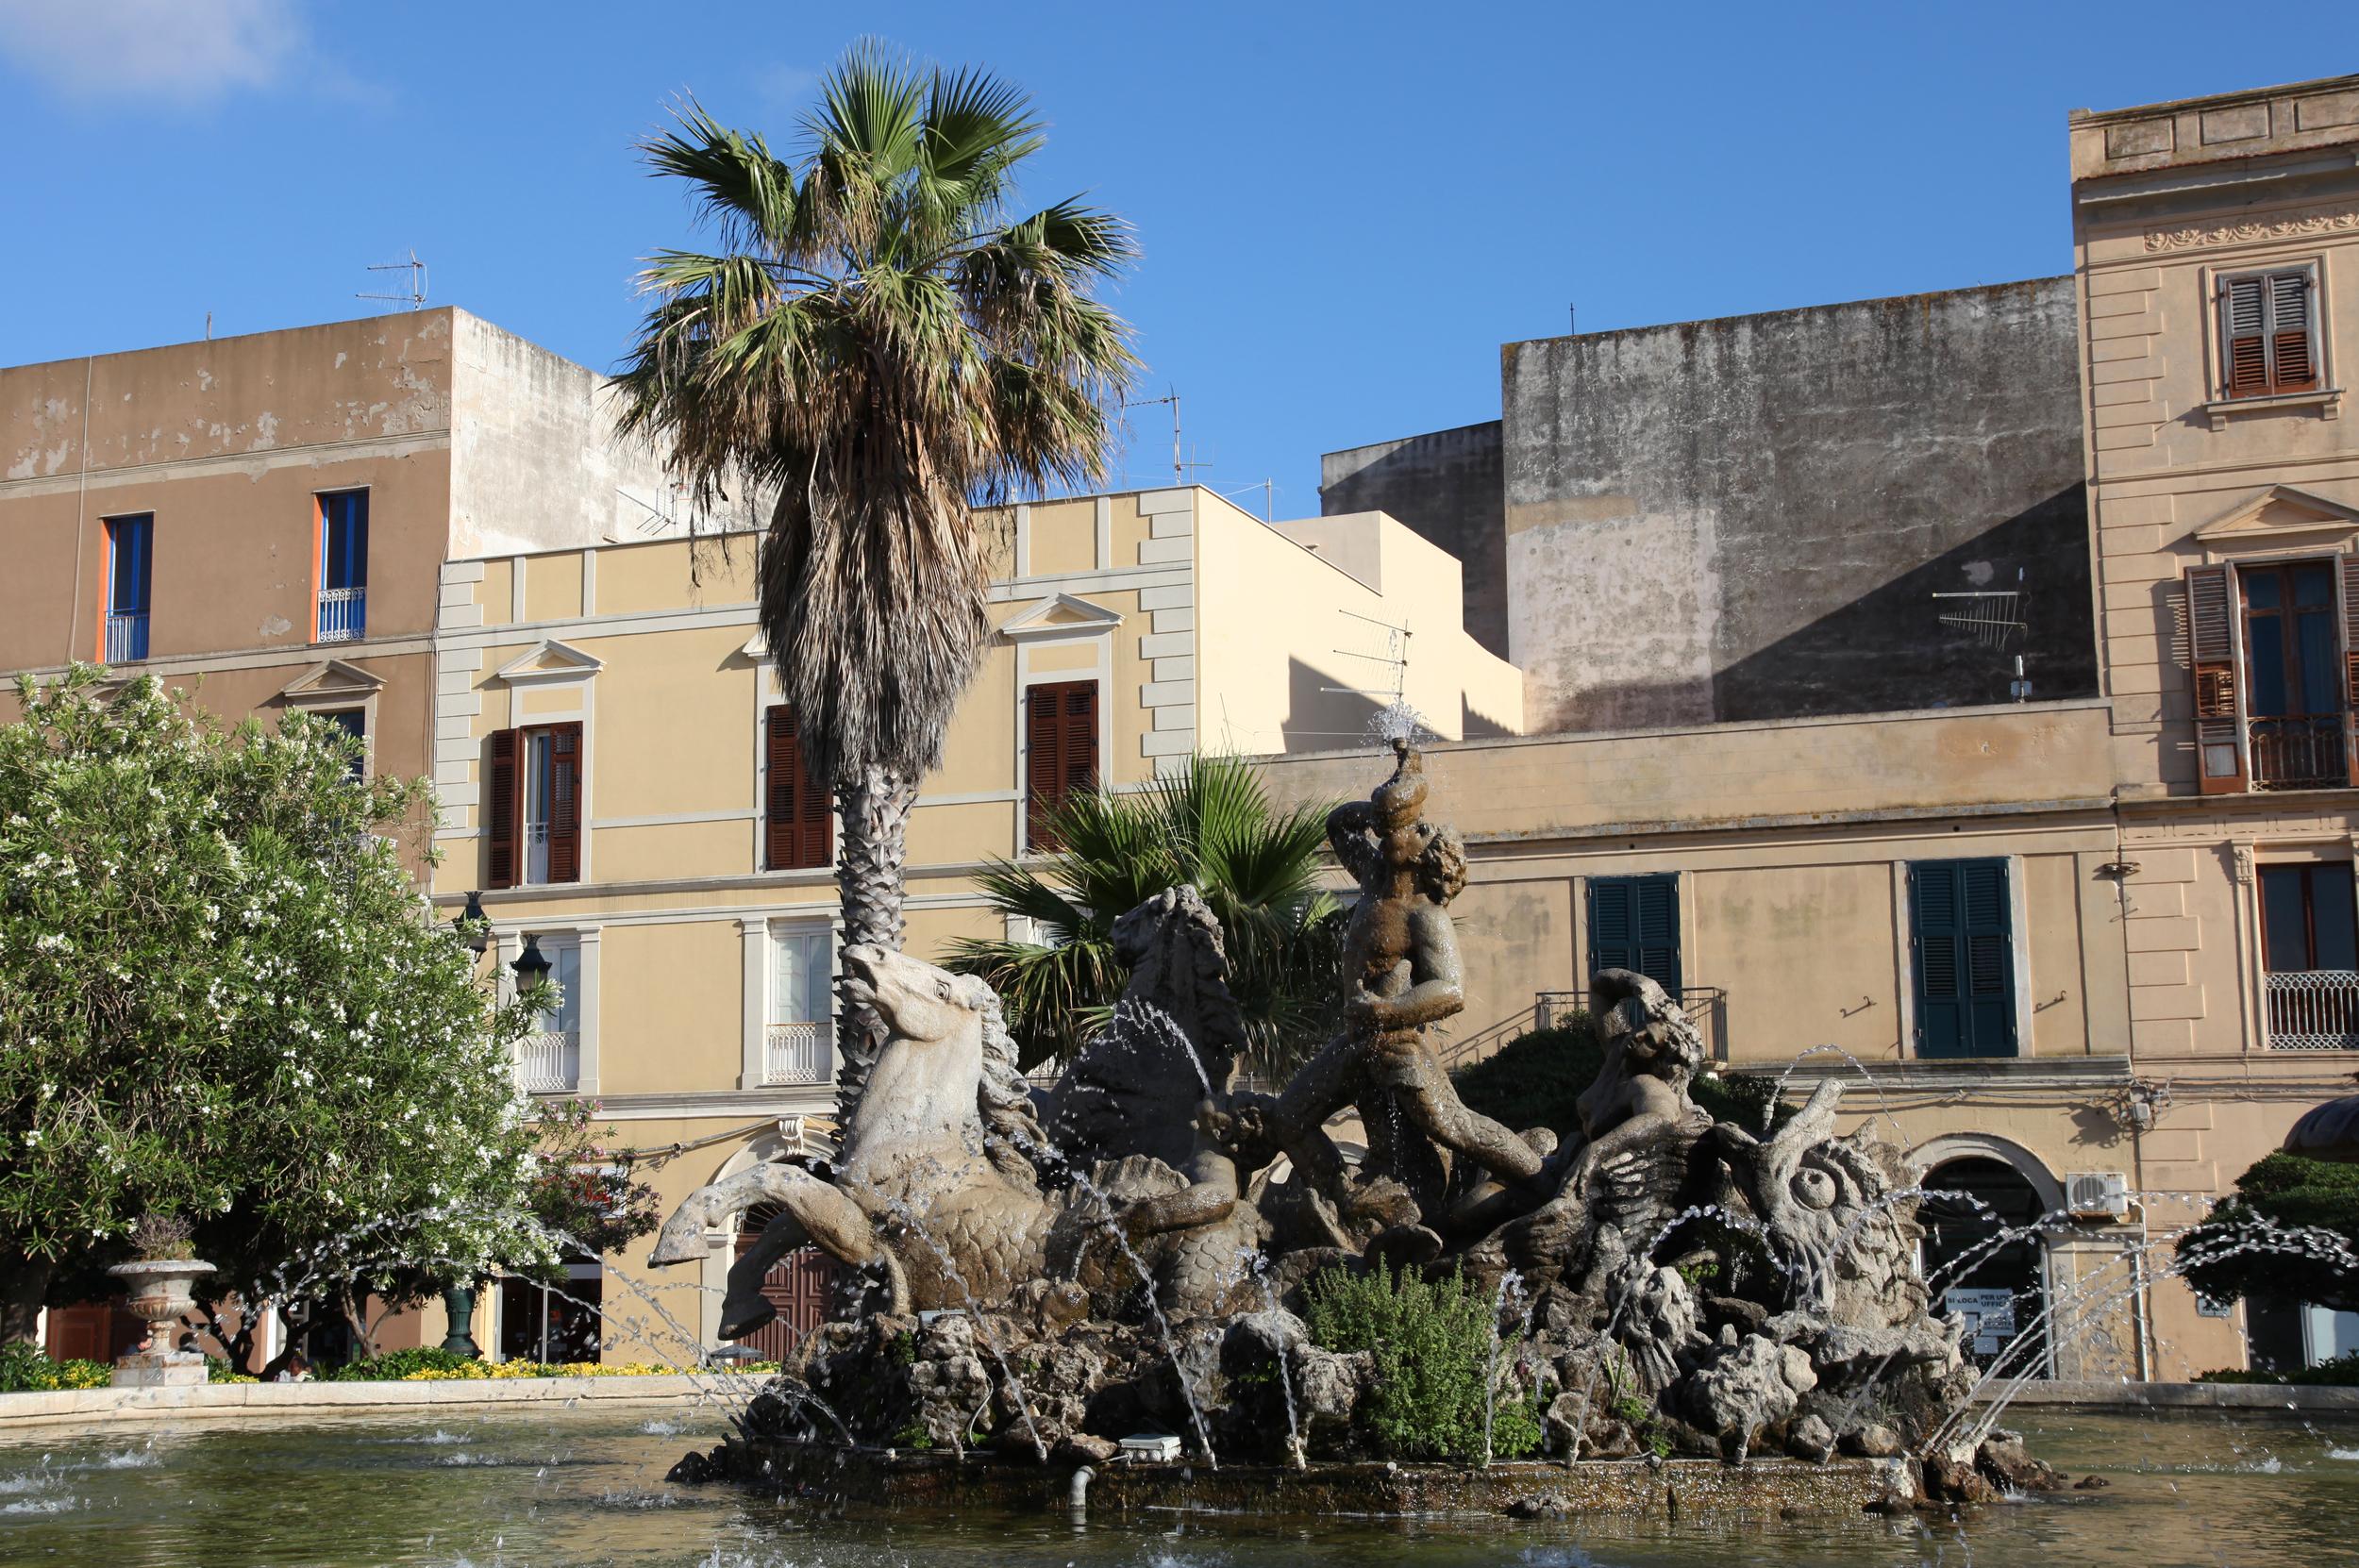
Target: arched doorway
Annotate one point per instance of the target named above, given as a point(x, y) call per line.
point(798, 1285)
point(2000, 1287)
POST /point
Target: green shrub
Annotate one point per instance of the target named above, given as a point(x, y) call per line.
point(403, 1363)
point(222, 1372)
point(25, 1369)
point(2341, 1372)
point(1431, 1341)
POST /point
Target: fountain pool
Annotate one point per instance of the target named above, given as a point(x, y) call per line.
point(580, 1488)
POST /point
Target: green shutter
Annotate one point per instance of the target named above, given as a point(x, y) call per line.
point(1634, 923)
point(1962, 932)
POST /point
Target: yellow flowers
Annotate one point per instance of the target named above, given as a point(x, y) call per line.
point(478, 1370)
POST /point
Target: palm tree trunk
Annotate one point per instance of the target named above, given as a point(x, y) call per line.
point(875, 816)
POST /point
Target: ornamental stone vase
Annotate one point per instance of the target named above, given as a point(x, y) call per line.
point(161, 1292)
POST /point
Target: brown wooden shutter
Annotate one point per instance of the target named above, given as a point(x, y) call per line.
point(2212, 654)
point(1060, 751)
point(798, 830)
point(565, 802)
point(503, 807)
point(2351, 661)
point(2244, 333)
point(2293, 364)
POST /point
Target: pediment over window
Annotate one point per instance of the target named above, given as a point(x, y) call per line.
point(549, 661)
point(331, 683)
point(1060, 615)
point(2277, 516)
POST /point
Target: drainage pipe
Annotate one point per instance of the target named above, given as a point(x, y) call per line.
point(1078, 1491)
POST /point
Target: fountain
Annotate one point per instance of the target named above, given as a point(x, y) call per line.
point(1685, 1308)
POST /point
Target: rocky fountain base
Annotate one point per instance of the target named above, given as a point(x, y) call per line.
point(1186, 1295)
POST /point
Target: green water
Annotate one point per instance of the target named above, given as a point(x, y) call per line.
point(566, 1488)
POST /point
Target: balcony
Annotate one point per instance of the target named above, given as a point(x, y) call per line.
point(548, 1062)
point(127, 636)
point(2304, 753)
point(343, 614)
point(798, 1053)
point(2314, 1009)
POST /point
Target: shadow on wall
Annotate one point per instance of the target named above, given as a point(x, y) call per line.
point(1321, 719)
point(1887, 650)
point(1475, 724)
point(1449, 487)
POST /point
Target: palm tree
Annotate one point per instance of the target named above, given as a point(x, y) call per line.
point(880, 345)
point(1212, 825)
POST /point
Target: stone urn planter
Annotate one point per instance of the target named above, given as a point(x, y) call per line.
point(161, 1291)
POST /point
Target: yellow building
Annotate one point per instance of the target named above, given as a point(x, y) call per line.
point(2091, 956)
point(620, 785)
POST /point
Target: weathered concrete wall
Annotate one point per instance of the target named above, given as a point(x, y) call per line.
point(1446, 486)
point(1745, 519)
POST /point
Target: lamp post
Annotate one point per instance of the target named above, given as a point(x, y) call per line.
point(473, 928)
point(530, 967)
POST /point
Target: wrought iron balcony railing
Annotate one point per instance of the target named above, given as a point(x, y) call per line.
point(343, 614)
point(798, 1053)
point(2304, 753)
point(548, 1062)
point(127, 636)
point(2314, 1009)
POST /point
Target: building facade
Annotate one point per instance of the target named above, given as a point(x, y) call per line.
point(622, 788)
point(2088, 959)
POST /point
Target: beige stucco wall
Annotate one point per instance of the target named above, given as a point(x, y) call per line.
point(1295, 634)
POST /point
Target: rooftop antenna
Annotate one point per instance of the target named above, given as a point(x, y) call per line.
point(1267, 488)
point(1573, 325)
point(1994, 618)
point(1178, 465)
point(1395, 719)
point(415, 297)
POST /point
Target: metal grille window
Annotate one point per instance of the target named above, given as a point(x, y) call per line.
point(2268, 331)
point(798, 1044)
point(122, 629)
point(343, 572)
point(548, 1060)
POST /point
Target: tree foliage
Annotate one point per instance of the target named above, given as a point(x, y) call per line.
point(1211, 826)
point(223, 999)
point(881, 341)
point(2290, 1234)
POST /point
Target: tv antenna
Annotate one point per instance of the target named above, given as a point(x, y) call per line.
point(1269, 488)
point(1994, 618)
point(415, 296)
point(1180, 465)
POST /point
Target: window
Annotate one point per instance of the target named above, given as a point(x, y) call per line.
point(2268, 331)
point(548, 1060)
point(123, 621)
point(1060, 752)
point(355, 723)
point(1634, 923)
point(797, 826)
point(798, 1044)
point(2271, 645)
point(344, 566)
point(534, 806)
point(2310, 956)
point(1961, 939)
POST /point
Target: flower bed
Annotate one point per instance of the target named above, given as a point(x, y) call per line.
point(433, 1365)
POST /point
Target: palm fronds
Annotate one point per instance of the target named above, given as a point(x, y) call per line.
point(1212, 825)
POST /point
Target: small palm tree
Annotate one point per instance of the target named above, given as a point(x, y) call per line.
point(879, 343)
point(1213, 826)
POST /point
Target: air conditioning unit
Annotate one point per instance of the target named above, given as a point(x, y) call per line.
point(2097, 1195)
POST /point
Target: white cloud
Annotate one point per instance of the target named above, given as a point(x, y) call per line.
point(181, 49)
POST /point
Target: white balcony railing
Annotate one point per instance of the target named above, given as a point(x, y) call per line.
point(798, 1053)
point(343, 614)
point(2314, 1009)
point(548, 1062)
point(127, 636)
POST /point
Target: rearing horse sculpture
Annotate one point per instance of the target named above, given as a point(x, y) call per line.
point(914, 1185)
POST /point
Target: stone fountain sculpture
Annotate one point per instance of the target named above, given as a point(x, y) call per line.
point(1135, 1238)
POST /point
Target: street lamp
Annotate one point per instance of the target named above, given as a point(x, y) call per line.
point(530, 967)
point(472, 925)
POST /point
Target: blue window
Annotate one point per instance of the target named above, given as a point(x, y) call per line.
point(344, 566)
point(130, 545)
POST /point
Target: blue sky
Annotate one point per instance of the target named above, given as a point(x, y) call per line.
point(1345, 210)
